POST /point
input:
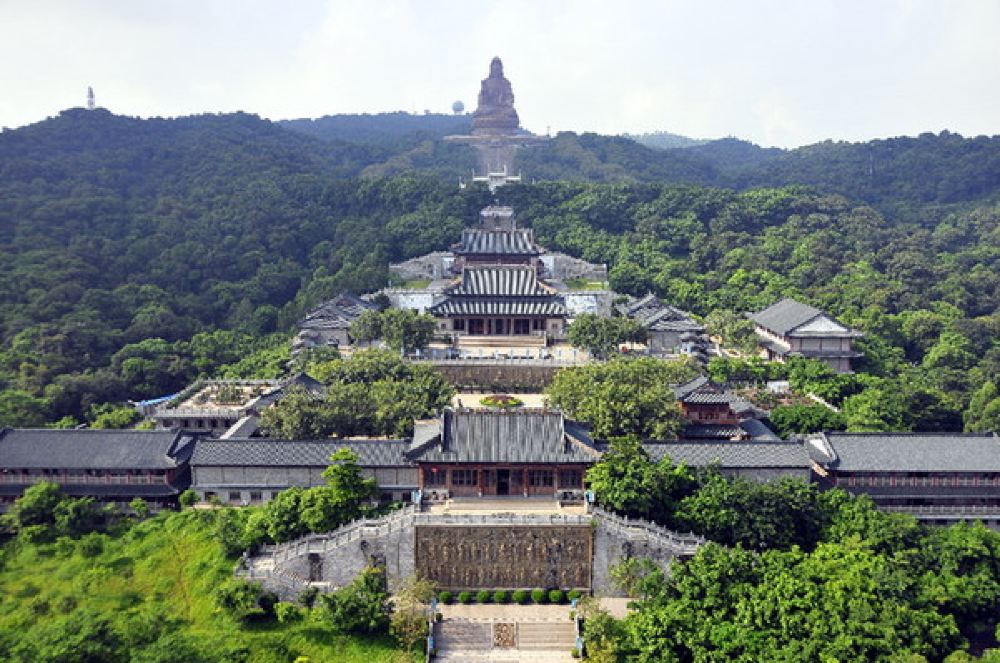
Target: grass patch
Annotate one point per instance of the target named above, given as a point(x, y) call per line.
point(416, 284)
point(585, 284)
point(152, 588)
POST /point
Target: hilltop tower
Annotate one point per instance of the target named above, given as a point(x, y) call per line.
point(91, 102)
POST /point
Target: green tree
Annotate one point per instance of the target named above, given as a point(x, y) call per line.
point(790, 419)
point(367, 327)
point(623, 396)
point(602, 336)
point(408, 623)
point(346, 481)
point(108, 415)
point(762, 516)
point(362, 607)
point(407, 331)
point(735, 330)
point(626, 481)
point(20, 409)
point(983, 413)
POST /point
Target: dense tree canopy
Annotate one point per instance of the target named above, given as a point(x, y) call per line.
point(124, 271)
point(623, 396)
point(375, 392)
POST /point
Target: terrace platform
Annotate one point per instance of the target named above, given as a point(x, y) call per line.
point(513, 505)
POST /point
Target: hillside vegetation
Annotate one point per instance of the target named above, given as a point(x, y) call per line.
point(148, 594)
point(139, 254)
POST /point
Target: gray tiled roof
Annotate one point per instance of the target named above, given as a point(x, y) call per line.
point(47, 448)
point(713, 432)
point(911, 452)
point(519, 436)
point(692, 385)
point(785, 316)
point(502, 280)
point(497, 306)
point(336, 313)
point(269, 452)
point(655, 315)
point(706, 398)
point(732, 454)
point(497, 242)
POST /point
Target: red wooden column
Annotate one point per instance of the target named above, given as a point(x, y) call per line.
point(524, 481)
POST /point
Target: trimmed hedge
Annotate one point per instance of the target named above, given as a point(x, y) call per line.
point(538, 596)
point(444, 597)
point(484, 596)
point(519, 596)
point(465, 597)
point(557, 596)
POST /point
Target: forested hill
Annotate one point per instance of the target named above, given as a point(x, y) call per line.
point(381, 128)
point(894, 173)
point(138, 254)
point(939, 168)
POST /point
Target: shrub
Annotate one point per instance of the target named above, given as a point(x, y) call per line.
point(245, 601)
point(361, 607)
point(483, 596)
point(573, 594)
point(91, 545)
point(444, 597)
point(287, 612)
point(307, 597)
point(557, 596)
point(465, 597)
point(500, 596)
point(187, 498)
point(538, 596)
point(519, 596)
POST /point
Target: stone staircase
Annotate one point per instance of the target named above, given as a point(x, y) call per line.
point(460, 639)
point(546, 636)
point(459, 635)
point(501, 342)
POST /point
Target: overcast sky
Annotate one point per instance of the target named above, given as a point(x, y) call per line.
point(775, 72)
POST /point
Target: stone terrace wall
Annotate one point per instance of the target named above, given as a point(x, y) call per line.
point(431, 266)
point(328, 561)
point(617, 539)
point(500, 375)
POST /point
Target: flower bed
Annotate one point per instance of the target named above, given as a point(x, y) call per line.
point(504, 401)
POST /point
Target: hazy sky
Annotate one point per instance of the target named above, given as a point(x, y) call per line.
point(775, 72)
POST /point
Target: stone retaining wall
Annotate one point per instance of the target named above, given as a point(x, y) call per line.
point(329, 561)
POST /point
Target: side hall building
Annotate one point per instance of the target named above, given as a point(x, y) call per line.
point(937, 477)
point(111, 466)
point(790, 328)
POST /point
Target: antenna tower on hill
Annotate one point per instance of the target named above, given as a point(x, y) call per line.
point(91, 103)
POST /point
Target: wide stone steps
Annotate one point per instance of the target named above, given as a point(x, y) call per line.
point(551, 636)
point(454, 635)
point(501, 341)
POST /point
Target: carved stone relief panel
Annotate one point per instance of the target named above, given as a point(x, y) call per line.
point(478, 557)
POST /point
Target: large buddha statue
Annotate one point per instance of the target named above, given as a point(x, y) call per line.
point(495, 112)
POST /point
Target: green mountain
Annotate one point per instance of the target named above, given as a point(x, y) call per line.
point(381, 128)
point(138, 254)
